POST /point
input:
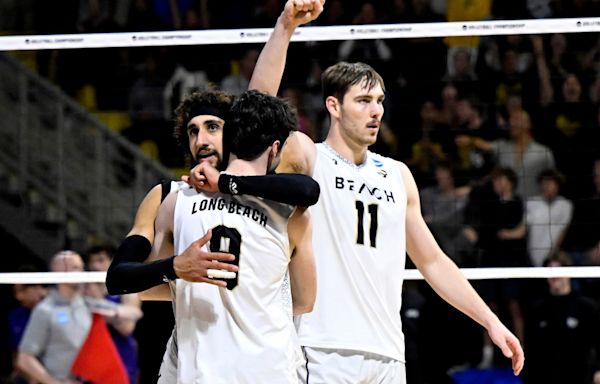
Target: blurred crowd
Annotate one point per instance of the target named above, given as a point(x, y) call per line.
point(502, 134)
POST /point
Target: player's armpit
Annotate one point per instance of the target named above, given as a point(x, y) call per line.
point(298, 155)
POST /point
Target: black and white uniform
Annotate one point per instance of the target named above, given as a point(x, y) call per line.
point(243, 333)
point(360, 251)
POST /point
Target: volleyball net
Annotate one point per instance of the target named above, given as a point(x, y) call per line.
point(450, 85)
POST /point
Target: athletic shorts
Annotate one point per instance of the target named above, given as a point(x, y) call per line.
point(168, 369)
point(342, 366)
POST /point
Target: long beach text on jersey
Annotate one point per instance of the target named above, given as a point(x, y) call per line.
point(362, 188)
point(230, 206)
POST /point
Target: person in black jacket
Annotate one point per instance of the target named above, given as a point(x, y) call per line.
point(562, 334)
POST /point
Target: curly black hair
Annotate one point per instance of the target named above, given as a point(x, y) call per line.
point(211, 102)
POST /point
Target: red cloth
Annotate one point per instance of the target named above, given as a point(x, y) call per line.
point(98, 360)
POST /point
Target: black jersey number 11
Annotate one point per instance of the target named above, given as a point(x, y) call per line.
point(360, 232)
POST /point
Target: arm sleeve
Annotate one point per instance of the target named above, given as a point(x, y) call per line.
point(289, 188)
point(129, 274)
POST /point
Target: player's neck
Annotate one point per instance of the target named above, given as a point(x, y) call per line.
point(354, 153)
point(255, 167)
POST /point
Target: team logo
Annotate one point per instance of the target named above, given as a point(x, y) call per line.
point(378, 163)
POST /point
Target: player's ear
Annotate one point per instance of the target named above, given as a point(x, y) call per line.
point(275, 148)
point(333, 105)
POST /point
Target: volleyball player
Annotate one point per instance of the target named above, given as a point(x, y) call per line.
point(367, 219)
point(247, 318)
point(128, 273)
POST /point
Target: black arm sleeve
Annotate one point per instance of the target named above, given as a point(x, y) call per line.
point(290, 188)
point(129, 274)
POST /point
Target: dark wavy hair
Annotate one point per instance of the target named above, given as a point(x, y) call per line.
point(196, 104)
point(256, 120)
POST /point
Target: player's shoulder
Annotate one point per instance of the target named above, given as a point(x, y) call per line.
point(298, 154)
point(162, 189)
point(379, 161)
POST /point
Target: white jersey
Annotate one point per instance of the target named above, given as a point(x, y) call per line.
point(168, 366)
point(360, 251)
point(242, 333)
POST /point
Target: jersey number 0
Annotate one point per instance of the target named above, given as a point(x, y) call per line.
point(225, 239)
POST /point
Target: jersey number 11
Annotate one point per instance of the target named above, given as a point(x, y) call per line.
point(360, 231)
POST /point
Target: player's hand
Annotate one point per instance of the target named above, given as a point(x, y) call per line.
point(509, 345)
point(298, 12)
point(195, 264)
point(203, 177)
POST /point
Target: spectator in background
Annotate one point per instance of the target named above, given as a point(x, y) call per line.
point(461, 72)
point(561, 60)
point(374, 51)
point(121, 330)
point(501, 238)
point(563, 337)
point(59, 325)
point(146, 103)
point(463, 50)
point(27, 297)
point(582, 241)
point(547, 217)
point(426, 152)
point(57, 328)
point(438, 121)
point(522, 153)
point(570, 124)
point(515, 66)
point(471, 162)
point(237, 82)
point(443, 207)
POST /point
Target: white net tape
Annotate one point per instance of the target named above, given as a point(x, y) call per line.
point(470, 273)
point(260, 35)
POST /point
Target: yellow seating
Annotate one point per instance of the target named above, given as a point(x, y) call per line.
point(178, 172)
point(150, 148)
point(116, 120)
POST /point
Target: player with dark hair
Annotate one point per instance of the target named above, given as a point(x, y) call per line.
point(248, 316)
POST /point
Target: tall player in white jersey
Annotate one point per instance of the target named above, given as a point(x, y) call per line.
point(242, 333)
point(367, 219)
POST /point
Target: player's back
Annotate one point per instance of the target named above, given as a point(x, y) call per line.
point(359, 237)
point(242, 333)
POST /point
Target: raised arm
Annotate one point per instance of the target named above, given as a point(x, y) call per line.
point(271, 62)
point(303, 278)
point(447, 280)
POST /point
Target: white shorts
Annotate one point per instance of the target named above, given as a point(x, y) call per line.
point(342, 366)
point(168, 369)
